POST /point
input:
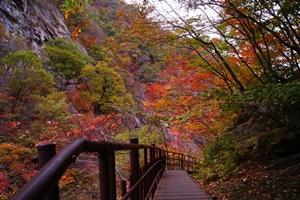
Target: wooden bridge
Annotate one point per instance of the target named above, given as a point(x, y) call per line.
point(162, 176)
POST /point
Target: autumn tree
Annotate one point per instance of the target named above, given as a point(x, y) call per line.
point(257, 39)
point(65, 57)
point(179, 99)
point(140, 45)
point(104, 89)
point(22, 78)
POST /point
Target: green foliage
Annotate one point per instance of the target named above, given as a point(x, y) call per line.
point(278, 102)
point(275, 94)
point(23, 77)
point(105, 18)
point(96, 52)
point(52, 107)
point(221, 159)
point(105, 89)
point(74, 6)
point(51, 117)
point(146, 135)
point(66, 57)
point(149, 73)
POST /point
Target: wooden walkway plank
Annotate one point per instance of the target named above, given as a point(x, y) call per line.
point(177, 184)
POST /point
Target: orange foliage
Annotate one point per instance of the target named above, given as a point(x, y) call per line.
point(178, 98)
point(96, 127)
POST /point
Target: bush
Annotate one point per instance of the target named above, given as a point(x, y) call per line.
point(146, 135)
point(52, 107)
point(66, 57)
point(23, 77)
point(279, 102)
point(221, 159)
point(104, 88)
point(149, 73)
point(96, 52)
point(51, 116)
point(15, 162)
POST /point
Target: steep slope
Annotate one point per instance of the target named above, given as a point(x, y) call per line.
point(37, 21)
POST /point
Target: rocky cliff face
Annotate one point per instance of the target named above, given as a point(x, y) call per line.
point(35, 20)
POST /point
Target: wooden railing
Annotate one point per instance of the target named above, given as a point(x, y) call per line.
point(143, 179)
point(181, 162)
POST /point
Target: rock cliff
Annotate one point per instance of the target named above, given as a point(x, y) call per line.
point(35, 20)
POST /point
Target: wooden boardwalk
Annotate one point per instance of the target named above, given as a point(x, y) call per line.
point(177, 184)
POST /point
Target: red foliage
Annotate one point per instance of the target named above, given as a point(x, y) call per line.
point(96, 127)
point(178, 98)
point(3, 182)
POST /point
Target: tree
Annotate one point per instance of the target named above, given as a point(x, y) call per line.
point(66, 57)
point(52, 107)
point(104, 89)
point(23, 77)
point(178, 99)
point(258, 39)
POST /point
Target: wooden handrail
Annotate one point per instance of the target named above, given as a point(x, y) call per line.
point(143, 179)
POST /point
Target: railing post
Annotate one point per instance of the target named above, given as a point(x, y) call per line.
point(123, 187)
point(159, 153)
point(145, 182)
point(45, 153)
point(182, 161)
point(188, 163)
point(174, 161)
point(134, 168)
point(145, 158)
point(152, 153)
point(107, 175)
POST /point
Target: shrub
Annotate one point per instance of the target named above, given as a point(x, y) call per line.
point(277, 94)
point(23, 77)
point(16, 162)
point(279, 102)
point(96, 52)
point(52, 107)
point(104, 88)
point(149, 73)
point(221, 159)
point(51, 116)
point(145, 134)
point(66, 57)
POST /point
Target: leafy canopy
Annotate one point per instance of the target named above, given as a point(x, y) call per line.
point(104, 88)
point(66, 57)
point(52, 107)
point(146, 134)
point(23, 77)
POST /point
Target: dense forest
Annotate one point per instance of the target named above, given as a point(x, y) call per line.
point(216, 79)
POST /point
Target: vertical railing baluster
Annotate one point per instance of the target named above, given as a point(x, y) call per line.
point(145, 158)
point(182, 161)
point(173, 160)
point(145, 182)
point(107, 175)
point(123, 187)
point(45, 153)
point(112, 174)
point(188, 163)
point(134, 168)
point(152, 154)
